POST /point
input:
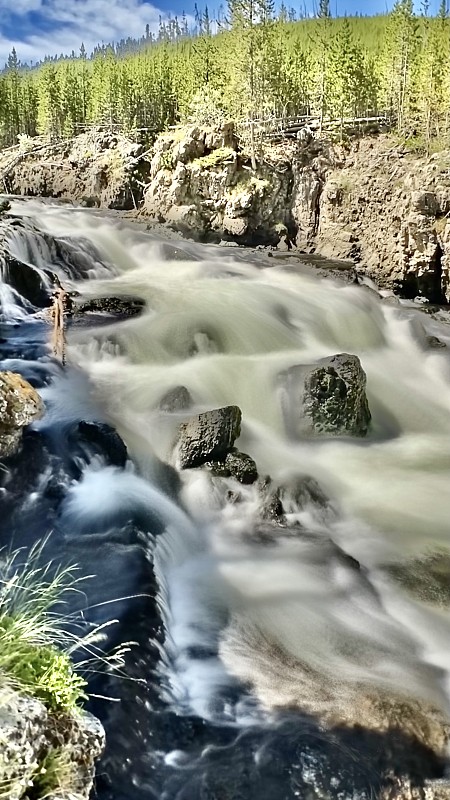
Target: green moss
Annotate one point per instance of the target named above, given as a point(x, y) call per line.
point(214, 158)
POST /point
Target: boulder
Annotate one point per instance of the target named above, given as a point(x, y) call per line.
point(20, 404)
point(208, 437)
point(26, 280)
point(101, 438)
point(176, 399)
point(30, 736)
point(236, 465)
point(241, 466)
point(327, 398)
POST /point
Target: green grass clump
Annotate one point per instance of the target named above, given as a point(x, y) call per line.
point(35, 645)
point(55, 775)
point(37, 637)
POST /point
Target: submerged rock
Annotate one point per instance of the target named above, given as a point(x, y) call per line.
point(20, 404)
point(30, 736)
point(26, 280)
point(176, 399)
point(208, 437)
point(327, 398)
point(102, 439)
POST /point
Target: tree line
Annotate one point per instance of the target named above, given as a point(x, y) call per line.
point(247, 65)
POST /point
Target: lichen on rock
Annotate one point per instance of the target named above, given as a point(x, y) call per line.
point(20, 404)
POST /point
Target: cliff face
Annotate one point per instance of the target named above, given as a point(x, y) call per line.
point(388, 210)
point(371, 202)
point(374, 204)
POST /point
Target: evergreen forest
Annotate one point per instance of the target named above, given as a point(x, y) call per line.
point(249, 64)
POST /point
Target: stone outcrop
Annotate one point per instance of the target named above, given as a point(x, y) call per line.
point(369, 202)
point(37, 748)
point(201, 184)
point(20, 404)
point(99, 168)
point(208, 437)
point(327, 398)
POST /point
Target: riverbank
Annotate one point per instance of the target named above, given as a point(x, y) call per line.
point(370, 203)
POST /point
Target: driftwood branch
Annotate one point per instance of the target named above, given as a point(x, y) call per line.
point(61, 306)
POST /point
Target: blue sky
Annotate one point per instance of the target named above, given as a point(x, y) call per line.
point(39, 27)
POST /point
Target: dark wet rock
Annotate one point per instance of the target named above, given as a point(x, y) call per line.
point(208, 436)
point(271, 508)
point(176, 399)
point(20, 404)
point(241, 466)
point(103, 439)
point(90, 202)
point(236, 465)
point(327, 398)
point(114, 306)
point(434, 343)
point(27, 281)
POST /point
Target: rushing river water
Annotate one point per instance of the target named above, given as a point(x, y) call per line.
point(257, 653)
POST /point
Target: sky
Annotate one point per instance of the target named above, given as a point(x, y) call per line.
point(49, 27)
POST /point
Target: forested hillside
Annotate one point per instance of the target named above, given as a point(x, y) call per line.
point(248, 65)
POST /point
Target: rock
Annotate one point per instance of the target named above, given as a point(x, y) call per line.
point(176, 399)
point(434, 343)
point(236, 465)
point(326, 399)
point(271, 507)
point(241, 466)
point(115, 306)
point(90, 202)
point(20, 404)
point(103, 439)
point(208, 436)
point(29, 735)
point(425, 203)
point(301, 492)
point(26, 280)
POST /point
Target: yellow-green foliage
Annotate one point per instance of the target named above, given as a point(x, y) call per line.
point(214, 158)
point(248, 183)
point(397, 62)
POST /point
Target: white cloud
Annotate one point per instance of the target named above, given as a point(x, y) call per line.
point(76, 21)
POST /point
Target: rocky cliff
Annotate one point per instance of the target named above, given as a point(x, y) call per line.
point(371, 201)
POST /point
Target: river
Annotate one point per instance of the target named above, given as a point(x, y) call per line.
point(265, 659)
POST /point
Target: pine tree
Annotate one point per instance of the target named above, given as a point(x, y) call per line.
point(443, 10)
point(324, 9)
point(346, 75)
point(401, 44)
